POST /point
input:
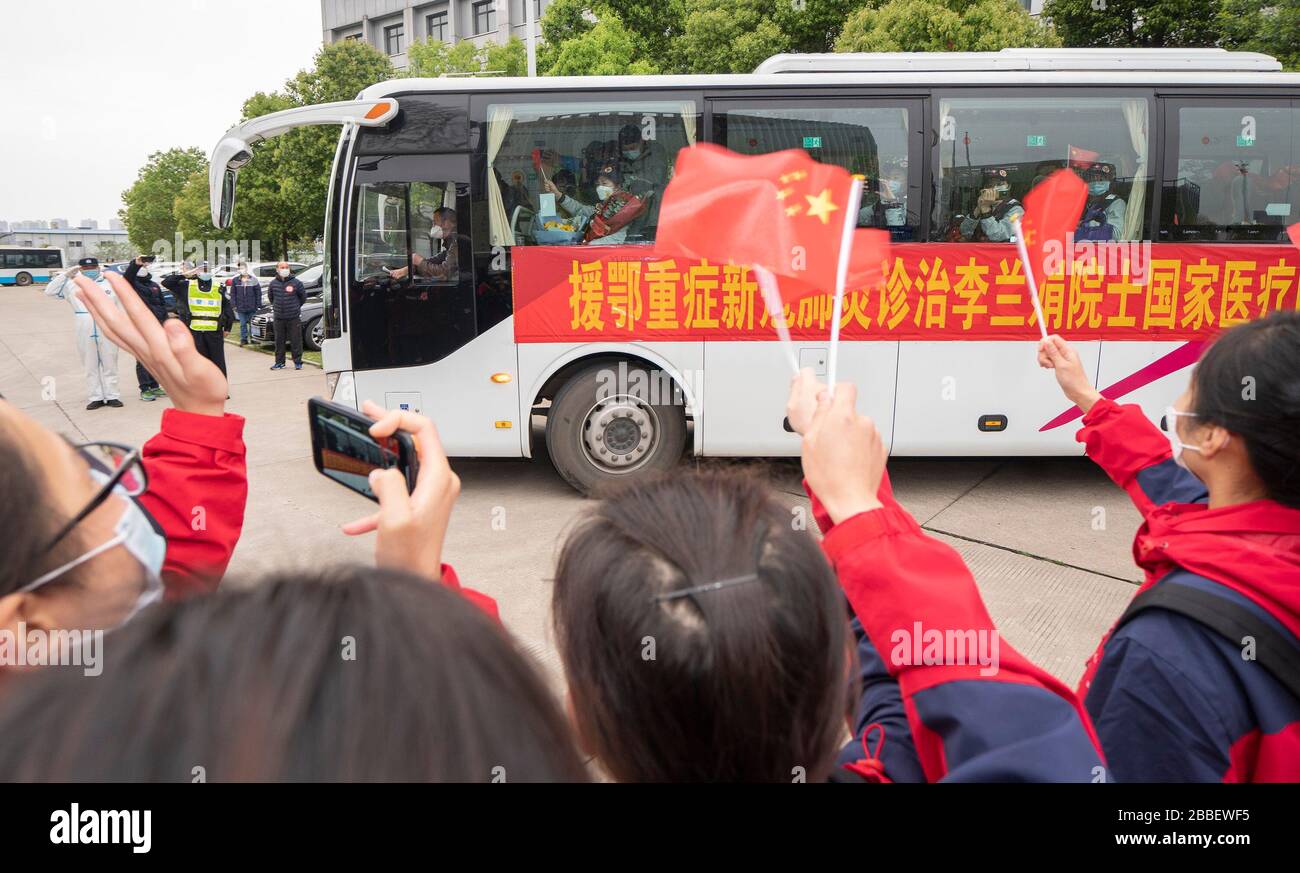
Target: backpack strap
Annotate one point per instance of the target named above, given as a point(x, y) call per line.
point(1273, 651)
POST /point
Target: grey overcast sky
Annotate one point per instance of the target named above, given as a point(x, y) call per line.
point(89, 88)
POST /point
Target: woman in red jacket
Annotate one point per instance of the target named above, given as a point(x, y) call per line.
point(95, 532)
point(1199, 680)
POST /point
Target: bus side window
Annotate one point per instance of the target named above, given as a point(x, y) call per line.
point(1232, 172)
point(871, 139)
point(581, 172)
point(994, 149)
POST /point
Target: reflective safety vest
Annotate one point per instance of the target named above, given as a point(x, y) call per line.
point(205, 307)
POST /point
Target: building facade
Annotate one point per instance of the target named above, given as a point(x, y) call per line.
point(76, 242)
point(392, 25)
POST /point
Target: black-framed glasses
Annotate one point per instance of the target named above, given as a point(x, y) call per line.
point(122, 465)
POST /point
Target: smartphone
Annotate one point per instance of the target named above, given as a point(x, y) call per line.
point(149, 259)
point(343, 449)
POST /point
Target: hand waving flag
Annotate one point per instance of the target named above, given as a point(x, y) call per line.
point(1052, 212)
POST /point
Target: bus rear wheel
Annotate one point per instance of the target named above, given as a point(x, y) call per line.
point(23, 279)
point(599, 431)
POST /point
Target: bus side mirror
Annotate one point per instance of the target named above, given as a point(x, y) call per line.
point(230, 154)
point(227, 197)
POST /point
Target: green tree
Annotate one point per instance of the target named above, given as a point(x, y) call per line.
point(943, 26)
point(815, 25)
point(730, 36)
point(1272, 28)
point(261, 212)
point(1136, 23)
point(340, 71)
point(192, 210)
point(112, 250)
point(510, 58)
point(433, 57)
point(608, 48)
point(149, 204)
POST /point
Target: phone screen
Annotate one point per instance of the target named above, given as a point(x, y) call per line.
point(347, 453)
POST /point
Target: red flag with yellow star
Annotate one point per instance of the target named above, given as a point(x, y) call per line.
point(782, 211)
point(1052, 211)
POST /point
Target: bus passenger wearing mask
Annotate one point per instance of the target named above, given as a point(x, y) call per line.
point(641, 159)
point(607, 220)
point(995, 211)
point(1103, 214)
point(443, 267)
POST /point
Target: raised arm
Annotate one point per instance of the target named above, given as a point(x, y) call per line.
point(978, 709)
point(1119, 437)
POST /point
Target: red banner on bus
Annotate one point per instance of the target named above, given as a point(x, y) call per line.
point(930, 291)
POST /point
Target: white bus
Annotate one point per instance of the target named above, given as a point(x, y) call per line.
point(23, 265)
point(459, 285)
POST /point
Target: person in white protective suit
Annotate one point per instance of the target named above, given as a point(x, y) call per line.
point(98, 355)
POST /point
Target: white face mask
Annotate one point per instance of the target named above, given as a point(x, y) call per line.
point(1176, 445)
point(135, 533)
point(435, 232)
point(283, 272)
point(205, 277)
point(143, 272)
point(243, 271)
point(603, 191)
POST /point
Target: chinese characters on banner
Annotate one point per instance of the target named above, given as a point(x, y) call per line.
point(930, 291)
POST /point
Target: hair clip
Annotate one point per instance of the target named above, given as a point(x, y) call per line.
point(711, 586)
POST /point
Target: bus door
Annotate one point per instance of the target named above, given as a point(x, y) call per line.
point(411, 291)
point(878, 138)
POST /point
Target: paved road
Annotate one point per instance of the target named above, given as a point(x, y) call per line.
point(1048, 539)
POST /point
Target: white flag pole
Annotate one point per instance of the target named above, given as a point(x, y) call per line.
point(775, 311)
point(841, 279)
point(1029, 277)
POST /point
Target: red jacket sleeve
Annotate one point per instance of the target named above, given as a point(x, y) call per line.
point(973, 717)
point(1123, 442)
point(478, 598)
point(198, 486)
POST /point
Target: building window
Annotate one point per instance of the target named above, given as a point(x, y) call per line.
point(485, 17)
point(437, 23)
point(394, 39)
point(353, 36)
point(75, 243)
point(523, 11)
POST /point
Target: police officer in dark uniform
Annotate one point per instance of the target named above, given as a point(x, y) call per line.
point(137, 275)
point(205, 310)
point(993, 219)
point(1103, 213)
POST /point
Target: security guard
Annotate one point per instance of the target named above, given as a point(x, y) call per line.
point(206, 311)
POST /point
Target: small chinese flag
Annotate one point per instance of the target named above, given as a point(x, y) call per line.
point(1082, 157)
point(1052, 212)
point(782, 211)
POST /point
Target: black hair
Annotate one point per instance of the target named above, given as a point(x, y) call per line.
point(348, 674)
point(29, 520)
point(1248, 381)
point(743, 681)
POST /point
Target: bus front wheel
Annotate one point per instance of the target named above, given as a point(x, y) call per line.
point(23, 279)
point(614, 422)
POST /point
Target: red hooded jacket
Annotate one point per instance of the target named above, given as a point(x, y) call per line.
point(1173, 700)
